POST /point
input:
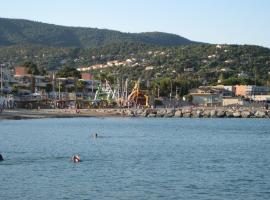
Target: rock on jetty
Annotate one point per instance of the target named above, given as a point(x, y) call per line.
point(191, 112)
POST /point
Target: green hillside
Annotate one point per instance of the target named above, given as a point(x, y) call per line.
point(17, 31)
point(209, 63)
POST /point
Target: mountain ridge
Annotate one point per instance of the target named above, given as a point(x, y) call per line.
point(21, 31)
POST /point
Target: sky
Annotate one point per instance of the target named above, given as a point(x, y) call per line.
point(210, 21)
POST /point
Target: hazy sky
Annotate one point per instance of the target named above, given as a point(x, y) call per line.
point(213, 21)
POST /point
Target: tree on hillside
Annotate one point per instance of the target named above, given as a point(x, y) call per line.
point(32, 68)
point(68, 72)
point(165, 86)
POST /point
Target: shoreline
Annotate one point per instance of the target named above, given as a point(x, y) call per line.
point(183, 112)
point(19, 114)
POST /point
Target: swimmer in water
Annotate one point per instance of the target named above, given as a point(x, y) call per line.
point(1, 157)
point(76, 159)
point(95, 135)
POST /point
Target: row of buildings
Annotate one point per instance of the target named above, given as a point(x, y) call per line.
point(221, 95)
point(131, 62)
point(23, 83)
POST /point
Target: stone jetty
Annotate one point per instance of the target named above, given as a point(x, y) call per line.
point(190, 112)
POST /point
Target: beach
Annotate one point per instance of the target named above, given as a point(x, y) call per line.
point(50, 113)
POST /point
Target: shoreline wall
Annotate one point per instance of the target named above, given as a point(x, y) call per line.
point(190, 112)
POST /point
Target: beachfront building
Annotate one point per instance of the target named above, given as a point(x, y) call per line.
point(261, 98)
point(89, 83)
point(213, 95)
point(89, 86)
point(235, 101)
point(21, 71)
point(250, 90)
point(206, 99)
point(27, 83)
point(23, 81)
point(41, 83)
point(225, 91)
point(206, 96)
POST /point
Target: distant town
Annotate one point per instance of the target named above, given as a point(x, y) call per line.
point(21, 89)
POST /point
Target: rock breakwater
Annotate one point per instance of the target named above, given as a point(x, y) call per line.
point(190, 112)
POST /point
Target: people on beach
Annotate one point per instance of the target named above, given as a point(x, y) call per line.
point(76, 158)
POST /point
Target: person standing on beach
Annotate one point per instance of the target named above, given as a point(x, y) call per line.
point(266, 106)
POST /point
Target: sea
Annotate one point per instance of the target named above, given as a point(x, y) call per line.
point(135, 158)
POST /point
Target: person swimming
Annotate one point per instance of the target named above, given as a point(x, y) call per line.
point(76, 158)
point(1, 157)
point(95, 135)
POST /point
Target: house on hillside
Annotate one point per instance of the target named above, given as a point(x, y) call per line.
point(242, 75)
point(149, 68)
point(189, 69)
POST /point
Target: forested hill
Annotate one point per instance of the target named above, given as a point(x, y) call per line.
point(150, 56)
point(203, 61)
point(20, 32)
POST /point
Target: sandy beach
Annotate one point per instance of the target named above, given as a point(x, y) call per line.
point(51, 113)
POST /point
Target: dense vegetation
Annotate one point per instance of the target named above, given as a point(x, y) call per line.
point(157, 67)
point(33, 68)
point(15, 31)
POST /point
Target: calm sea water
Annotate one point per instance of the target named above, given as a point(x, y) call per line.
point(135, 159)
